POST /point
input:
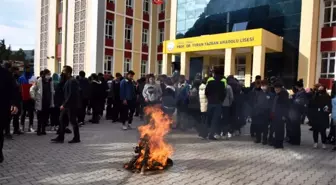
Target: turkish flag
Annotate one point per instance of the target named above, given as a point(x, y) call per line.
point(158, 2)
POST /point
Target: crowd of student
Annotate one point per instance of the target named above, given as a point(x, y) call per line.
point(217, 107)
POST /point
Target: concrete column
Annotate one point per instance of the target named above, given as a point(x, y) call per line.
point(258, 67)
point(230, 62)
point(310, 11)
point(248, 66)
point(206, 64)
point(185, 64)
point(166, 64)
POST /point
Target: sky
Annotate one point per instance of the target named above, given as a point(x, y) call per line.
point(18, 23)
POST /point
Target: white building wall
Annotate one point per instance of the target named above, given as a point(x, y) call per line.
point(37, 38)
point(52, 36)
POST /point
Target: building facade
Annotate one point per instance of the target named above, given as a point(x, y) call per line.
point(107, 36)
point(306, 28)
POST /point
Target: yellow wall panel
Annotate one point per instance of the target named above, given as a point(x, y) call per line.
point(120, 6)
point(138, 9)
point(137, 33)
point(119, 34)
point(118, 63)
point(136, 64)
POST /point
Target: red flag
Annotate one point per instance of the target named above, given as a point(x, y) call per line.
point(158, 2)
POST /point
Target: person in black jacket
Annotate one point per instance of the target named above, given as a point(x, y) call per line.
point(9, 102)
point(115, 90)
point(102, 79)
point(215, 93)
point(96, 98)
point(84, 86)
point(70, 106)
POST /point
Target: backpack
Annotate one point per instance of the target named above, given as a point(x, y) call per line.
point(193, 99)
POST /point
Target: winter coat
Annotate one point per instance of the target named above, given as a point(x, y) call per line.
point(59, 94)
point(168, 99)
point(84, 87)
point(333, 112)
point(203, 98)
point(215, 91)
point(97, 95)
point(71, 94)
point(36, 93)
point(234, 83)
point(322, 108)
point(9, 93)
point(182, 94)
point(114, 90)
point(127, 90)
point(260, 103)
point(298, 106)
point(152, 92)
point(194, 99)
point(229, 97)
point(280, 106)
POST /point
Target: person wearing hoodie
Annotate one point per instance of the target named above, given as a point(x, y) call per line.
point(215, 92)
point(128, 98)
point(84, 86)
point(168, 97)
point(152, 91)
point(26, 81)
point(115, 94)
point(182, 94)
point(320, 117)
point(226, 112)
point(43, 94)
point(97, 92)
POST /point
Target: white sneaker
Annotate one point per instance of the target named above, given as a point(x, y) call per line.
point(229, 135)
point(315, 145)
point(124, 127)
point(31, 129)
point(217, 136)
point(324, 146)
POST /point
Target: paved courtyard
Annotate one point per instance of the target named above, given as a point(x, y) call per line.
point(105, 148)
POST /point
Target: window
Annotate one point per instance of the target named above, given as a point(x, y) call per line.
point(161, 35)
point(129, 4)
point(328, 65)
point(108, 65)
point(146, 6)
point(145, 36)
point(159, 67)
point(128, 33)
point(330, 13)
point(143, 68)
point(60, 6)
point(127, 66)
point(59, 37)
point(109, 29)
point(162, 7)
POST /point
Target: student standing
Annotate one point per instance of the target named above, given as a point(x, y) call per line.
point(128, 98)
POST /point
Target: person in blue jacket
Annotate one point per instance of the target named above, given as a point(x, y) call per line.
point(128, 98)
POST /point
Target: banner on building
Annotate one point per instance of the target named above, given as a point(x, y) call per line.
point(158, 2)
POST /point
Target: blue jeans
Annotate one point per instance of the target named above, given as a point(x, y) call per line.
point(214, 117)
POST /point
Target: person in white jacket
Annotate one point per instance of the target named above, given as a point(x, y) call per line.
point(203, 133)
point(42, 92)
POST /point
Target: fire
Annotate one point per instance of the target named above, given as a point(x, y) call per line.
point(153, 151)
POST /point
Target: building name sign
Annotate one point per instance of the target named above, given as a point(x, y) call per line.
point(214, 42)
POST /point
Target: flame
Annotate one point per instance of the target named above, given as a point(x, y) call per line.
point(158, 127)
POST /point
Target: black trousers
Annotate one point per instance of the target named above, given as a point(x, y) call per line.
point(295, 132)
point(54, 116)
point(42, 120)
point(225, 126)
point(253, 129)
point(127, 112)
point(27, 108)
point(322, 132)
point(278, 126)
point(82, 110)
point(71, 115)
point(5, 117)
point(16, 123)
point(116, 109)
point(261, 132)
point(109, 110)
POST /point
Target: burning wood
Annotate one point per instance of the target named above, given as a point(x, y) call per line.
point(152, 152)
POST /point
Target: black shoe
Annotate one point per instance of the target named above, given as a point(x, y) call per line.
point(68, 131)
point(264, 143)
point(311, 129)
point(18, 132)
point(74, 141)
point(334, 149)
point(1, 157)
point(57, 140)
point(39, 133)
point(43, 133)
point(278, 146)
point(257, 141)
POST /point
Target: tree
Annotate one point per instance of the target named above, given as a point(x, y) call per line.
point(19, 55)
point(5, 52)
